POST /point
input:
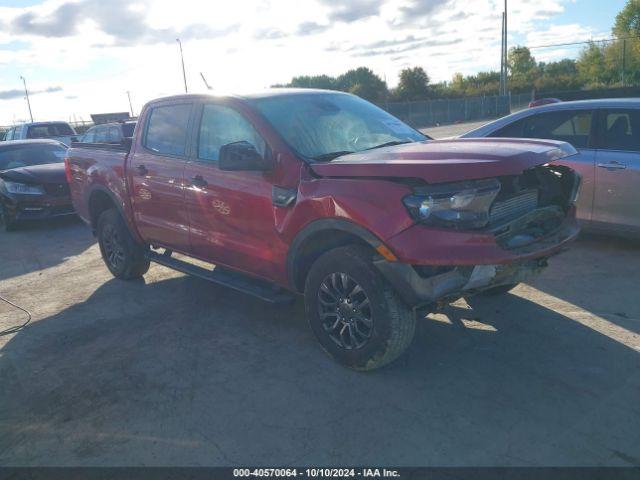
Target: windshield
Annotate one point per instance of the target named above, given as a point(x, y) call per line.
point(29, 155)
point(50, 130)
point(323, 126)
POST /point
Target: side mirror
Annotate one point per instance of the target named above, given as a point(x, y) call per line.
point(241, 156)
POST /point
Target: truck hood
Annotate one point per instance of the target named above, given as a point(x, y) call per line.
point(36, 174)
point(438, 161)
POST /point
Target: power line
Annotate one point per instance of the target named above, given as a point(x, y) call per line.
point(586, 42)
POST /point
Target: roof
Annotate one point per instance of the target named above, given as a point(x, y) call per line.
point(35, 124)
point(267, 93)
point(39, 141)
point(594, 103)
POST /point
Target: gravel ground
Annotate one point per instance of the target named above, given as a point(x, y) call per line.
point(175, 371)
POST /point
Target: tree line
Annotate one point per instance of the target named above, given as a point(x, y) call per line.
point(611, 64)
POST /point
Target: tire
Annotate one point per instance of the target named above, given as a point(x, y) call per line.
point(124, 257)
point(358, 344)
point(7, 224)
point(499, 290)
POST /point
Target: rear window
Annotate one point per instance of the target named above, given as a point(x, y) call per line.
point(28, 155)
point(167, 129)
point(49, 130)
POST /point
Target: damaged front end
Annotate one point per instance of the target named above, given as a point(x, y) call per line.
point(527, 221)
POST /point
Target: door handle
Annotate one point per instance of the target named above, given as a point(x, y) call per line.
point(612, 166)
point(198, 181)
point(142, 170)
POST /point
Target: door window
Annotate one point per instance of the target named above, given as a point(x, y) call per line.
point(167, 129)
point(114, 135)
point(222, 125)
point(90, 136)
point(572, 126)
point(620, 130)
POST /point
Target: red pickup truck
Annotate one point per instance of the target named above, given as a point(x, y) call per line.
point(324, 194)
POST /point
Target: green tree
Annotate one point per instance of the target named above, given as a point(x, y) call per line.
point(628, 20)
point(592, 67)
point(414, 84)
point(324, 82)
point(364, 83)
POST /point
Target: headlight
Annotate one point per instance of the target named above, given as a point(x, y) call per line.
point(463, 205)
point(23, 188)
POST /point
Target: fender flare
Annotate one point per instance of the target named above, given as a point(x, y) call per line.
point(319, 226)
point(116, 202)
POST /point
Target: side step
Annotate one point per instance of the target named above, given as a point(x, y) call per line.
point(237, 281)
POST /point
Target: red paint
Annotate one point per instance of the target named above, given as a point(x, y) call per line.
point(232, 220)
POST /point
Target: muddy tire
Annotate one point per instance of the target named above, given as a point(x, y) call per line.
point(357, 317)
point(500, 290)
point(124, 257)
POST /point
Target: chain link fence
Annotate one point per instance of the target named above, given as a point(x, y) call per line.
point(429, 113)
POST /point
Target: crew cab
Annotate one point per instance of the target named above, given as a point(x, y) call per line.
point(323, 194)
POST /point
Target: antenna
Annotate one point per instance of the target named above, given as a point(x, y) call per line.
point(205, 82)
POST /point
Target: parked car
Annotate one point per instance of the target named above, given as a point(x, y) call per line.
point(109, 132)
point(324, 194)
point(33, 185)
point(543, 101)
point(607, 135)
point(60, 131)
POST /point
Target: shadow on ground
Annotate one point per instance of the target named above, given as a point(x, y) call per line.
point(28, 250)
point(180, 372)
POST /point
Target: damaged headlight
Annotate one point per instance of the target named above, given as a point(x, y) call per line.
point(462, 205)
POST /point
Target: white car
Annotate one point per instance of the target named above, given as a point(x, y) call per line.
point(60, 131)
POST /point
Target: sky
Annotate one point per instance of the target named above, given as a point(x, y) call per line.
point(82, 56)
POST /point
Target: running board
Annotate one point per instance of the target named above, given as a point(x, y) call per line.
point(236, 281)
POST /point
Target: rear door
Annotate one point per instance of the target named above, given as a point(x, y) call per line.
point(156, 176)
point(231, 212)
point(573, 126)
point(617, 195)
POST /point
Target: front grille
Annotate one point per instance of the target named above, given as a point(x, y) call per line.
point(513, 207)
point(57, 189)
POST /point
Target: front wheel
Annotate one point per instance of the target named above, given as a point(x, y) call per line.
point(124, 257)
point(6, 222)
point(354, 313)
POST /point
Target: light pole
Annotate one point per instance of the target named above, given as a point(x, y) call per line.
point(184, 73)
point(506, 50)
point(26, 92)
point(130, 106)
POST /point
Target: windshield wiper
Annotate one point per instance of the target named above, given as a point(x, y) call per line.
point(327, 157)
point(390, 144)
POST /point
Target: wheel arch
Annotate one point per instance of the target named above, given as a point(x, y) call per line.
point(319, 237)
point(100, 199)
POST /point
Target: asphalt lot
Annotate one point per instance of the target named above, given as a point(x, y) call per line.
point(175, 371)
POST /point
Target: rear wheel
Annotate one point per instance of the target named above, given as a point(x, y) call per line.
point(6, 222)
point(355, 314)
point(124, 257)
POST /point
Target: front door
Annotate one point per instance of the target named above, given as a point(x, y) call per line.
point(156, 177)
point(617, 195)
point(231, 212)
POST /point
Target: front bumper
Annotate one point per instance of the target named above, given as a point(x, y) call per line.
point(30, 207)
point(470, 263)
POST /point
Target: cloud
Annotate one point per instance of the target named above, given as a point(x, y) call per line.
point(407, 48)
point(416, 10)
point(115, 18)
point(352, 10)
point(19, 93)
point(311, 28)
point(269, 34)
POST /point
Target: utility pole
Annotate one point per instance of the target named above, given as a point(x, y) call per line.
point(506, 49)
point(624, 60)
point(130, 106)
point(184, 73)
point(502, 65)
point(26, 93)
point(206, 84)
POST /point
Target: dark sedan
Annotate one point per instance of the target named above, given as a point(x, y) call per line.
point(33, 184)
